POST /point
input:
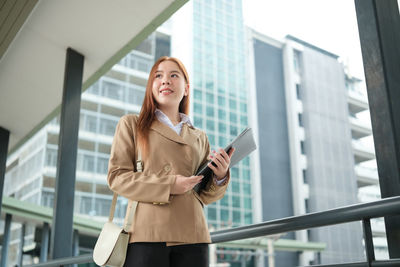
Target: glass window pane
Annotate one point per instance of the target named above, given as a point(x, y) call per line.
point(210, 111)
point(212, 214)
point(198, 122)
point(221, 114)
point(210, 125)
point(210, 98)
point(198, 108)
point(221, 128)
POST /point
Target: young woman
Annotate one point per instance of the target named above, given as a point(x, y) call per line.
point(169, 227)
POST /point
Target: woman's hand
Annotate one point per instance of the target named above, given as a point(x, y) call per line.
point(222, 160)
point(184, 184)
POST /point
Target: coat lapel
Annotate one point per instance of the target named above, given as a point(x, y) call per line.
point(189, 134)
point(167, 132)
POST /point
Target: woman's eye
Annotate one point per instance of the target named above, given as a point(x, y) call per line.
point(174, 75)
point(158, 75)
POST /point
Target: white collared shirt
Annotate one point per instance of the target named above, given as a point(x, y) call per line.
point(178, 128)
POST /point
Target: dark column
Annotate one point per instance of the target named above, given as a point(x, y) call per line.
point(21, 245)
point(44, 243)
point(6, 240)
point(379, 29)
point(4, 137)
point(75, 246)
point(61, 232)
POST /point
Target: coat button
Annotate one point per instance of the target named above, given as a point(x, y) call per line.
point(167, 168)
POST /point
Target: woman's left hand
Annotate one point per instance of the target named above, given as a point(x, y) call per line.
point(222, 160)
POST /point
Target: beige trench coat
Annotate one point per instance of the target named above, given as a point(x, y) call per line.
point(160, 216)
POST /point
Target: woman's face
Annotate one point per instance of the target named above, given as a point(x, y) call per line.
point(169, 85)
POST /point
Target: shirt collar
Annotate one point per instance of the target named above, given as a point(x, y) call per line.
point(162, 117)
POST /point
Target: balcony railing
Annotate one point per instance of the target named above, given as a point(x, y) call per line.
point(359, 212)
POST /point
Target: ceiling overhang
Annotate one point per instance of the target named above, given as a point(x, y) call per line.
point(34, 37)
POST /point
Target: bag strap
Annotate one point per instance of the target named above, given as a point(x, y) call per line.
point(131, 209)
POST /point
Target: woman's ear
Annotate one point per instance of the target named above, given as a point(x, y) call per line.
point(186, 89)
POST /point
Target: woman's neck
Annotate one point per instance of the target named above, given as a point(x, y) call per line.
point(172, 114)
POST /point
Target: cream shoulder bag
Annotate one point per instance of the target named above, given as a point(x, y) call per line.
point(112, 243)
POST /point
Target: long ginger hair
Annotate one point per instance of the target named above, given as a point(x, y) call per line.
point(147, 112)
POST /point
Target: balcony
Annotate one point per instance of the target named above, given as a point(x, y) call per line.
point(359, 128)
point(366, 176)
point(357, 101)
point(361, 152)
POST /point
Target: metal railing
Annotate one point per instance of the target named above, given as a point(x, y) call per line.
point(359, 212)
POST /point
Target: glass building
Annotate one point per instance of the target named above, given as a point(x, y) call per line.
point(220, 98)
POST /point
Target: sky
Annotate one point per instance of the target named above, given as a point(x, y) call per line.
point(328, 24)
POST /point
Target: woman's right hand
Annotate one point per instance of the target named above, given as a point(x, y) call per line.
point(184, 184)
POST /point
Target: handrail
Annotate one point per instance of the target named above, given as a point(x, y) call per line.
point(357, 212)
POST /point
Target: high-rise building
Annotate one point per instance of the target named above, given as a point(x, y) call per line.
point(209, 37)
point(306, 147)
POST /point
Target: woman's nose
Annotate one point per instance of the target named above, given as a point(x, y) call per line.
point(165, 82)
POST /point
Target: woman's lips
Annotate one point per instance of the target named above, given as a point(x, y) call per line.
point(166, 91)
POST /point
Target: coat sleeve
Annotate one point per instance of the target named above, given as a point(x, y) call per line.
point(123, 180)
point(212, 192)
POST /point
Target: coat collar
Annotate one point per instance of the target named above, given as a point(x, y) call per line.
point(188, 134)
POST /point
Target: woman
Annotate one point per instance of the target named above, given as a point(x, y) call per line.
point(169, 227)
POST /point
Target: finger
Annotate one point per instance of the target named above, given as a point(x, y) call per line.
point(223, 162)
point(199, 177)
point(216, 161)
point(224, 154)
point(212, 167)
point(231, 152)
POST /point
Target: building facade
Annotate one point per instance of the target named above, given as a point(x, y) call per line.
point(306, 146)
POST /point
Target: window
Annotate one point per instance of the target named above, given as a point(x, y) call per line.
point(236, 201)
point(88, 163)
point(221, 114)
point(107, 127)
point(210, 98)
point(224, 215)
point(221, 101)
point(302, 148)
point(197, 95)
point(243, 107)
point(222, 141)
point(233, 131)
point(296, 61)
point(112, 90)
point(235, 187)
point(221, 128)
point(247, 189)
point(248, 218)
point(198, 122)
point(210, 111)
point(198, 108)
point(212, 214)
point(306, 206)
point(102, 165)
point(90, 123)
point(298, 95)
point(232, 117)
point(246, 174)
point(232, 104)
point(210, 125)
point(247, 203)
point(225, 201)
point(300, 116)
point(236, 217)
point(243, 120)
